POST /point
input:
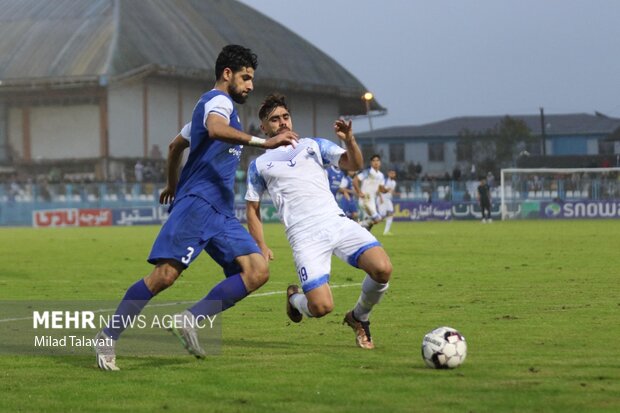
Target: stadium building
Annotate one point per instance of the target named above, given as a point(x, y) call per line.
point(570, 140)
point(89, 86)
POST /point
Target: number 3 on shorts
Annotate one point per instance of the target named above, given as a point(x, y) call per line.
point(185, 260)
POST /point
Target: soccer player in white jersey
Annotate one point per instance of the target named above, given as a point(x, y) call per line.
point(316, 227)
point(385, 207)
point(368, 184)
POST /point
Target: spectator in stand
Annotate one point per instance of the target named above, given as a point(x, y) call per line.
point(490, 179)
point(456, 173)
point(155, 152)
point(139, 171)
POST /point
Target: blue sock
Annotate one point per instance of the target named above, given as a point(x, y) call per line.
point(221, 297)
point(136, 297)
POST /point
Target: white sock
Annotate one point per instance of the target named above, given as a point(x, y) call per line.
point(388, 224)
point(372, 292)
point(300, 302)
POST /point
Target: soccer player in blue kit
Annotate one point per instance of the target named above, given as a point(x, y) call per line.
point(334, 176)
point(202, 215)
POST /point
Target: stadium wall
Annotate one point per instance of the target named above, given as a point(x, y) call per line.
point(126, 120)
point(55, 130)
point(63, 214)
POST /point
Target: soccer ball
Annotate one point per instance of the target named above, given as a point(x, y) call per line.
point(444, 348)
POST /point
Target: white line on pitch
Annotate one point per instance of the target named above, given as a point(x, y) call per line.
point(104, 310)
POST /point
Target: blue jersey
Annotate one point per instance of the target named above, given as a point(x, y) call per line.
point(349, 184)
point(209, 172)
point(334, 176)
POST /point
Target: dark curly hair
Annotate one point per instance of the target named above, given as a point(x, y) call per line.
point(270, 103)
point(235, 58)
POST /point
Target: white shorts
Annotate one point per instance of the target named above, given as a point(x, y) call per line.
point(313, 252)
point(369, 206)
point(386, 207)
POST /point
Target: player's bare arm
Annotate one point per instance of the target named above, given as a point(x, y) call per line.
point(356, 187)
point(381, 190)
point(173, 163)
point(255, 228)
point(219, 129)
point(352, 159)
point(346, 193)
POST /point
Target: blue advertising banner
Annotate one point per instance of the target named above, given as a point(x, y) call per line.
point(471, 210)
point(155, 215)
point(422, 211)
point(404, 211)
point(579, 209)
point(268, 212)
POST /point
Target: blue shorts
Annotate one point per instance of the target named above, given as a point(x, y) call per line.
point(194, 225)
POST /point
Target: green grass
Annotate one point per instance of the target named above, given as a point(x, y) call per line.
point(537, 301)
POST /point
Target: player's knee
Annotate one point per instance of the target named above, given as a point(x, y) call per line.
point(382, 270)
point(320, 309)
point(162, 277)
point(257, 276)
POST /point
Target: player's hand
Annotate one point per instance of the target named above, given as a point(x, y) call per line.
point(267, 253)
point(282, 139)
point(167, 196)
point(344, 130)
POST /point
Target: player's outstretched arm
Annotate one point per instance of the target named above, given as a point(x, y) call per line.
point(219, 129)
point(352, 159)
point(255, 228)
point(356, 187)
point(345, 192)
point(173, 163)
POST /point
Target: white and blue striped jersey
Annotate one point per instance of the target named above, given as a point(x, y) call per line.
point(370, 181)
point(389, 184)
point(296, 180)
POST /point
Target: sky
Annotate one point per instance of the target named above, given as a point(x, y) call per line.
point(429, 60)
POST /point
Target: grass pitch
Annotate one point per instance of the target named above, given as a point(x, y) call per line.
point(537, 301)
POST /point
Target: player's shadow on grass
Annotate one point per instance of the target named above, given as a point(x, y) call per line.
point(291, 345)
point(127, 363)
point(285, 344)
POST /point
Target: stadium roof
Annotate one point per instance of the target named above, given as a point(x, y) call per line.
point(65, 42)
point(570, 124)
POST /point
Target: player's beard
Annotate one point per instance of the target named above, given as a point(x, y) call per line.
point(237, 96)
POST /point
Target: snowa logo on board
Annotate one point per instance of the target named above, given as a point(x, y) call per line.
point(553, 210)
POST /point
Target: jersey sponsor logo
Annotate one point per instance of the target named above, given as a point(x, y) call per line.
point(235, 151)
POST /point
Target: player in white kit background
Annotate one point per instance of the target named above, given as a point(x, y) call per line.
point(368, 185)
point(316, 227)
point(385, 207)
